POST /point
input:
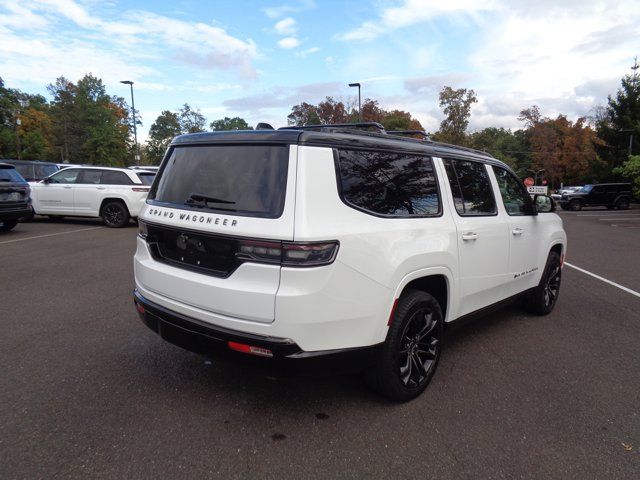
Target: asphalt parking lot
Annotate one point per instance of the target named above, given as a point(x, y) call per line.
point(87, 391)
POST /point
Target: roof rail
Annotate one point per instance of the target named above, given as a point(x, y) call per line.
point(409, 132)
point(359, 125)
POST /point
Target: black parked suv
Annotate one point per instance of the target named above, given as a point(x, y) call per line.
point(15, 197)
point(610, 195)
point(33, 170)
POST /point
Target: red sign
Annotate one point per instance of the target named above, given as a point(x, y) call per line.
point(529, 182)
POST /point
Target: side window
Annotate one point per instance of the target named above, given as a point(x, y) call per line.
point(90, 177)
point(68, 175)
point(26, 171)
point(516, 199)
point(471, 188)
point(112, 177)
point(597, 189)
point(387, 183)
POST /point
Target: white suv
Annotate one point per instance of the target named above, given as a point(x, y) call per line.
point(337, 247)
point(114, 194)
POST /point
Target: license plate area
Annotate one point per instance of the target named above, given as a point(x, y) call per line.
point(205, 253)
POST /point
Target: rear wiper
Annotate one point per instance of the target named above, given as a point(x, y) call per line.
point(197, 197)
point(204, 201)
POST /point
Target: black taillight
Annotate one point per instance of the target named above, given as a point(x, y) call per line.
point(309, 254)
point(142, 229)
point(288, 254)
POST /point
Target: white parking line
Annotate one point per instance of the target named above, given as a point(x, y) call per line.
point(620, 219)
point(50, 235)
point(621, 287)
point(607, 214)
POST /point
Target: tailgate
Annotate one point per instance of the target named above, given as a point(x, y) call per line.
point(208, 202)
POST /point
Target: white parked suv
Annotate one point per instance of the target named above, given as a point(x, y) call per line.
point(332, 246)
point(113, 194)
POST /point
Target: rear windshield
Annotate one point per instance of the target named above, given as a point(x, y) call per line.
point(146, 178)
point(248, 180)
point(10, 175)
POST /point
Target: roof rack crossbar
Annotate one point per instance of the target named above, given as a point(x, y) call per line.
point(359, 125)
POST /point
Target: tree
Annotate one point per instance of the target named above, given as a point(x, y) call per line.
point(162, 131)
point(456, 105)
point(90, 126)
point(304, 114)
point(619, 125)
point(505, 145)
point(631, 170)
point(400, 120)
point(191, 121)
point(566, 150)
point(226, 123)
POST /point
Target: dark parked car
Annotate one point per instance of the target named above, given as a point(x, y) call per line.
point(33, 170)
point(610, 195)
point(15, 197)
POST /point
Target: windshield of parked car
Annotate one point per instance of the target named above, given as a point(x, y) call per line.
point(586, 189)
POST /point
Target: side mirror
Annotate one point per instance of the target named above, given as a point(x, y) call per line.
point(46, 180)
point(544, 204)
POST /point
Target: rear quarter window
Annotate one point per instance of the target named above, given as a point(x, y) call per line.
point(388, 183)
point(10, 175)
point(246, 180)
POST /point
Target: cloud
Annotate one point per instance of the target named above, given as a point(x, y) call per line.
point(133, 34)
point(434, 83)
point(412, 12)
point(284, 97)
point(289, 42)
point(286, 26)
point(286, 9)
point(307, 52)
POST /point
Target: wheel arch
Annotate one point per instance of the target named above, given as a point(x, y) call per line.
point(113, 198)
point(437, 281)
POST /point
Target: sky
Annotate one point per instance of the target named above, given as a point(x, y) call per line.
point(256, 59)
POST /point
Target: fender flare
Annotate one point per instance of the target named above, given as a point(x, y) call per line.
point(408, 278)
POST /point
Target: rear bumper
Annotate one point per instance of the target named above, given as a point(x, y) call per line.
point(14, 213)
point(200, 337)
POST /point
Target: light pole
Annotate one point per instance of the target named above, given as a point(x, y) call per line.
point(535, 175)
point(359, 104)
point(135, 132)
point(630, 132)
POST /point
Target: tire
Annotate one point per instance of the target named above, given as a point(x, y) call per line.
point(622, 204)
point(8, 225)
point(575, 205)
point(115, 214)
point(544, 297)
point(417, 322)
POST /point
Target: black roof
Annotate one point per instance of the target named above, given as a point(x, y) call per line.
point(337, 136)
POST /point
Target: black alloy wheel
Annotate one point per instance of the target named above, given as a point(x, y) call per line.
point(420, 348)
point(411, 352)
point(115, 215)
point(622, 204)
point(576, 205)
point(544, 297)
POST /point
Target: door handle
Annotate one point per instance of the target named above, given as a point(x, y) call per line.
point(517, 231)
point(469, 236)
point(67, 186)
point(100, 188)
